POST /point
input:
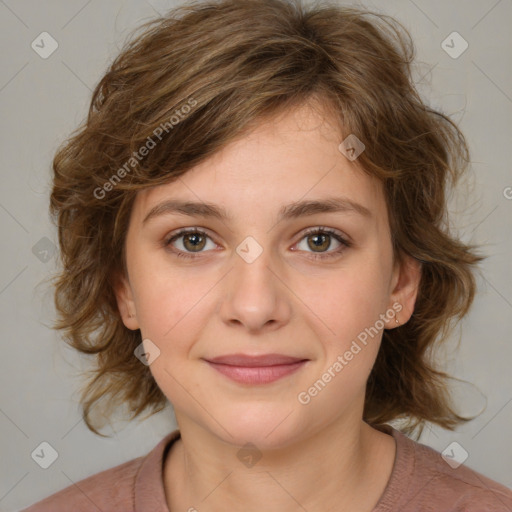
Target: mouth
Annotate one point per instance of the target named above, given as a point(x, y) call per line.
point(253, 370)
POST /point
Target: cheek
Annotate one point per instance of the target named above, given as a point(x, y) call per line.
point(351, 309)
point(351, 299)
point(172, 315)
point(164, 300)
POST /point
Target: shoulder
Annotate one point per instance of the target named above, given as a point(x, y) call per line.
point(422, 479)
point(136, 484)
point(465, 489)
point(103, 491)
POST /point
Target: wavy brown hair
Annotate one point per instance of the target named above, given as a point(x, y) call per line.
point(194, 80)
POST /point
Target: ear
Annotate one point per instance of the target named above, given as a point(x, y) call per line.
point(405, 286)
point(125, 302)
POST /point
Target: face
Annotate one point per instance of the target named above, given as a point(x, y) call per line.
point(266, 276)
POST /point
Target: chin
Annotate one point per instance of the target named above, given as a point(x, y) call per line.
point(265, 427)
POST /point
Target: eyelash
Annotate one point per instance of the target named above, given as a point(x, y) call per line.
point(315, 231)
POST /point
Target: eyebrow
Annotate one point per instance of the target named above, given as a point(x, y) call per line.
point(290, 211)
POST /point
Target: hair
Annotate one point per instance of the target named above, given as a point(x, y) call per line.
point(196, 79)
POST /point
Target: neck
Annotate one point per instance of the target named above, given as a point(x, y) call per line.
point(343, 467)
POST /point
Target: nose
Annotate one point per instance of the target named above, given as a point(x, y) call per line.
point(256, 297)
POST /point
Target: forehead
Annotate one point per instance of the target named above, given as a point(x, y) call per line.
point(287, 158)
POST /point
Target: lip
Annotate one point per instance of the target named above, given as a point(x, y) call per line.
point(253, 361)
point(260, 369)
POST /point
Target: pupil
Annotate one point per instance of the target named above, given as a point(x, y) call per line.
point(194, 240)
point(319, 240)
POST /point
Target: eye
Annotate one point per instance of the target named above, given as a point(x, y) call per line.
point(194, 240)
point(320, 239)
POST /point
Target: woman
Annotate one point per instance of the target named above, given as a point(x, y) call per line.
point(251, 224)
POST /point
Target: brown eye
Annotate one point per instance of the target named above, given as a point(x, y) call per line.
point(191, 241)
point(319, 242)
point(194, 242)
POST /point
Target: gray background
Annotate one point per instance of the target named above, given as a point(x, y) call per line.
point(42, 100)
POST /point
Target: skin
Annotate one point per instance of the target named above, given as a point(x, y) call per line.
point(285, 302)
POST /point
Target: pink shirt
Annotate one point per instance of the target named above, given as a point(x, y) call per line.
point(421, 480)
